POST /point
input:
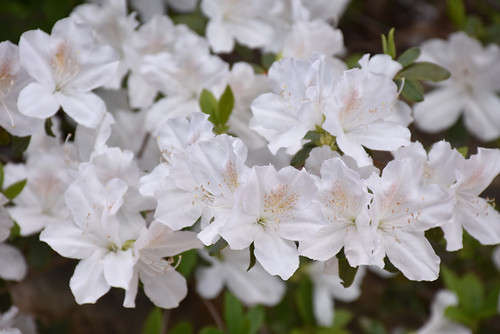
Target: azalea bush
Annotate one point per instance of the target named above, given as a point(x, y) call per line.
point(222, 166)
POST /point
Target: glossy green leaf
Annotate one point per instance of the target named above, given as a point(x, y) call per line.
point(181, 328)
point(303, 300)
point(253, 260)
point(233, 314)
point(14, 189)
point(425, 71)
point(413, 90)
point(346, 272)
point(1, 176)
point(226, 104)
point(255, 317)
point(154, 322)
point(456, 12)
point(299, 159)
point(388, 45)
point(188, 261)
point(208, 104)
point(409, 56)
point(215, 249)
point(19, 145)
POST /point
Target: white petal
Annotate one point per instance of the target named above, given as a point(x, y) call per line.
point(165, 289)
point(12, 263)
point(118, 268)
point(34, 55)
point(209, 281)
point(439, 110)
point(88, 283)
point(413, 255)
point(86, 109)
point(479, 219)
point(277, 256)
point(37, 100)
point(69, 240)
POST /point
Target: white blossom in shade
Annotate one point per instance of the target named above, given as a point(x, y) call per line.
point(439, 166)
point(237, 20)
point(344, 200)
point(319, 155)
point(326, 9)
point(400, 212)
point(401, 112)
point(163, 285)
point(251, 287)
point(307, 38)
point(438, 322)
point(113, 26)
point(66, 66)
point(327, 288)
point(174, 137)
point(158, 35)
point(358, 115)
point(12, 263)
point(99, 234)
point(246, 85)
point(273, 209)
point(41, 202)
point(149, 8)
point(12, 322)
point(182, 75)
point(203, 185)
point(471, 90)
point(300, 91)
point(477, 215)
point(110, 163)
point(13, 78)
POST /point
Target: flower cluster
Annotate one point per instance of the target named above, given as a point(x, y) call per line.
point(152, 171)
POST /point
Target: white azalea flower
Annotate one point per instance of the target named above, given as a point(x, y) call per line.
point(477, 215)
point(358, 116)
point(471, 90)
point(301, 89)
point(438, 322)
point(327, 288)
point(99, 234)
point(239, 20)
point(344, 199)
point(251, 287)
point(400, 212)
point(13, 78)
point(66, 66)
point(113, 26)
point(273, 210)
point(163, 285)
point(12, 263)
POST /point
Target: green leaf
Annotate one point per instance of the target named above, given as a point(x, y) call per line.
point(471, 293)
point(424, 71)
point(15, 231)
point(211, 330)
point(255, 318)
point(456, 13)
point(459, 315)
point(48, 128)
point(342, 318)
point(4, 137)
point(188, 262)
point(346, 272)
point(209, 104)
point(450, 279)
point(413, 90)
point(464, 150)
point(253, 260)
point(233, 314)
point(299, 159)
point(154, 322)
point(1, 176)
point(19, 145)
point(303, 300)
point(409, 56)
point(14, 189)
point(215, 249)
point(388, 45)
point(181, 328)
point(226, 104)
